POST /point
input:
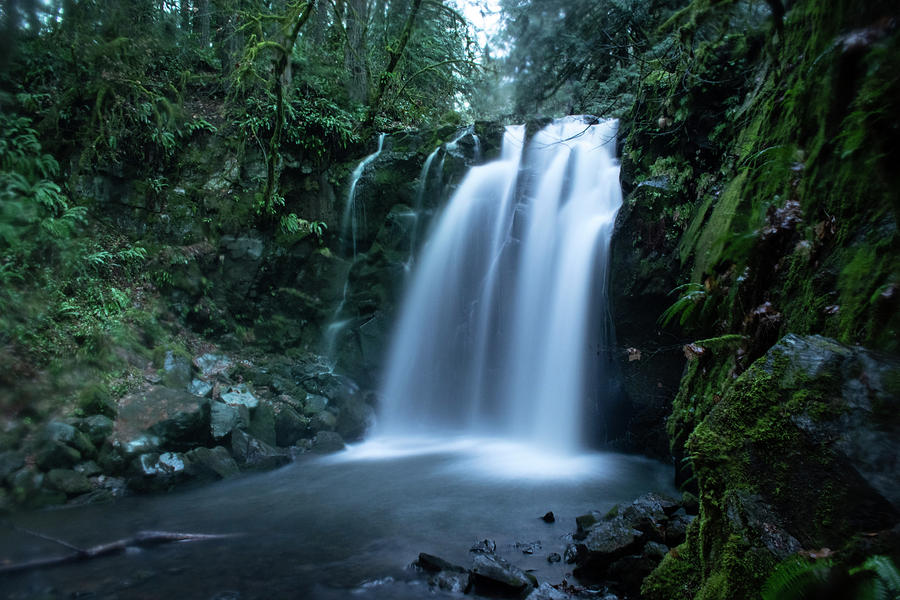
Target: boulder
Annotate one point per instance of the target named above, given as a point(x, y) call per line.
point(211, 463)
point(314, 404)
point(177, 418)
point(326, 442)
point(176, 370)
point(290, 426)
point(494, 575)
point(354, 419)
point(240, 395)
point(67, 481)
point(604, 543)
point(201, 388)
point(97, 428)
point(323, 421)
point(211, 365)
point(224, 418)
point(547, 592)
point(156, 472)
point(251, 453)
point(262, 424)
point(10, 461)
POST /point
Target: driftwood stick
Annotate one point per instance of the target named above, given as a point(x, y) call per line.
point(142, 538)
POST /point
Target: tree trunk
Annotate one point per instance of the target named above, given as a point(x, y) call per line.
point(202, 23)
point(355, 50)
point(393, 58)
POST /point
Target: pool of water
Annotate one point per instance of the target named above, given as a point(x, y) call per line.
point(339, 526)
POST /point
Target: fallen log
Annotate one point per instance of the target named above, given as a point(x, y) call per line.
point(141, 538)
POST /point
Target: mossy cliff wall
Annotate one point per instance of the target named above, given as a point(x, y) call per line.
point(761, 165)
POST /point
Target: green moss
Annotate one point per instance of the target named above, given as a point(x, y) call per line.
point(718, 228)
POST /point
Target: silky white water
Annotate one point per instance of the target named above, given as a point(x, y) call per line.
point(499, 331)
point(355, 212)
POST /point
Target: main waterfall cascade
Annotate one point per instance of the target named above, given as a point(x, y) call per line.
point(501, 330)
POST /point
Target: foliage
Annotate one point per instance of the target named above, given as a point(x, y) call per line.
point(799, 578)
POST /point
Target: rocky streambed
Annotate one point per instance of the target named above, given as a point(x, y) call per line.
point(195, 419)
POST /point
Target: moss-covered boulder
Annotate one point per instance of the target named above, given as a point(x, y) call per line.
point(798, 452)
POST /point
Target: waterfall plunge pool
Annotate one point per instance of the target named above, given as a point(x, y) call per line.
point(338, 526)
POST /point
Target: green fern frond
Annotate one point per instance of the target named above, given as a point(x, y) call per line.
point(796, 578)
point(884, 570)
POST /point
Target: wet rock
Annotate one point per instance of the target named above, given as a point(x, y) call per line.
point(10, 461)
point(331, 386)
point(201, 388)
point(176, 370)
point(157, 472)
point(69, 435)
point(327, 441)
point(549, 518)
point(69, 482)
point(251, 453)
point(629, 572)
point(676, 528)
point(88, 469)
point(749, 514)
point(224, 418)
point(604, 543)
point(211, 365)
point(262, 424)
point(494, 575)
point(28, 489)
point(354, 419)
point(239, 395)
point(290, 426)
point(572, 554)
point(453, 582)
point(314, 404)
point(211, 463)
point(485, 546)
point(434, 564)
point(177, 418)
point(56, 455)
point(547, 592)
point(528, 547)
point(323, 421)
point(141, 444)
point(586, 521)
point(554, 557)
point(97, 428)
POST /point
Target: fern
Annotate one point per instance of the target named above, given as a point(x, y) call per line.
point(692, 295)
point(797, 578)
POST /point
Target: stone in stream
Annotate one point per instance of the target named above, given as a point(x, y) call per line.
point(69, 482)
point(211, 463)
point(327, 441)
point(494, 575)
point(154, 472)
point(177, 418)
point(554, 557)
point(547, 592)
point(484, 547)
point(443, 574)
point(549, 518)
point(290, 426)
point(528, 547)
point(251, 453)
point(97, 428)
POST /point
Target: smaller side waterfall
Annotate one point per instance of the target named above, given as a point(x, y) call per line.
point(499, 331)
point(355, 212)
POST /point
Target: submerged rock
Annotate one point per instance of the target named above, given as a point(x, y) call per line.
point(251, 453)
point(494, 575)
point(327, 441)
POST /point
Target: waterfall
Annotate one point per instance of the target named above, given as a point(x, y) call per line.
point(499, 330)
point(355, 212)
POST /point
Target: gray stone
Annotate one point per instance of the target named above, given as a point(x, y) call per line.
point(606, 542)
point(176, 370)
point(355, 419)
point(211, 463)
point(323, 421)
point(485, 546)
point(262, 424)
point(547, 592)
point(69, 435)
point(140, 445)
point(314, 403)
point(156, 472)
point(453, 582)
point(201, 388)
point(223, 419)
point(251, 453)
point(211, 365)
point(97, 428)
point(327, 441)
point(290, 426)
point(179, 419)
point(434, 564)
point(755, 520)
point(69, 482)
point(88, 469)
point(492, 574)
point(54, 454)
point(239, 395)
point(10, 461)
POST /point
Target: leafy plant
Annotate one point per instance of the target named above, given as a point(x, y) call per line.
point(800, 578)
point(691, 296)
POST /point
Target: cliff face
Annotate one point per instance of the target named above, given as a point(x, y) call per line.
point(762, 213)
